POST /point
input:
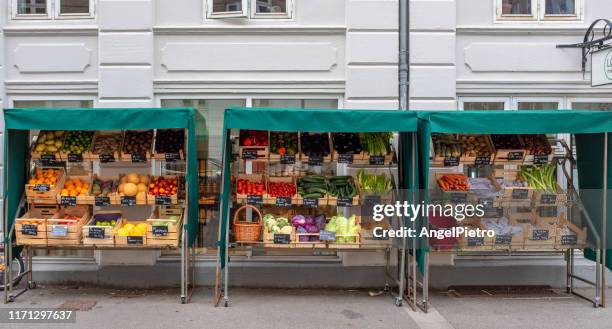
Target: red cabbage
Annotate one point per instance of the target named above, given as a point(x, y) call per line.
point(312, 229)
point(298, 220)
point(304, 238)
point(320, 221)
point(309, 220)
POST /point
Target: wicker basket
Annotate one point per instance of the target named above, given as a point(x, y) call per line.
point(247, 231)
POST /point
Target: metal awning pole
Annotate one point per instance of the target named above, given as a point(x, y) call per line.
point(604, 220)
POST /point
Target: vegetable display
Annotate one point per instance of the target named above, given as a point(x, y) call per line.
point(537, 144)
point(283, 143)
point(506, 142)
point(446, 145)
point(453, 182)
point(346, 143)
point(347, 230)
point(77, 142)
point(312, 187)
point(281, 189)
point(101, 187)
point(306, 224)
point(541, 178)
point(373, 183)
point(342, 186)
point(376, 144)
point(245, 186)
point(315, 144)
point(169, 140)
point(277, 224)
point(253, 138)
point(474, 145)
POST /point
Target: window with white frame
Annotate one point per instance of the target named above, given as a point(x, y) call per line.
point(249, 8)
point(52, 9)
point(538, 10)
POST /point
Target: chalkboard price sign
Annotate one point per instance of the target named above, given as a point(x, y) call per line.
point(569, 240)
point(315, 161)
point(516, 155)
point(106, 158)
point(254, 199)
point(135, 240)
point(59, 230)
point(282, 201)
point(282, 238)
point(47, 157)
point(503, 239)
point(377, 160)
point(69, 201)
point(160, 230)
point(451, 162)
point(102, 201)
point(345, 158)
point(287, 159)
point(548, 198)
point(547, 211)
point(311, 203)
point(486, 202)
point(96, 233)
point(520, 194)
point(29, 229)
point(172, 157)
point(540, 159)
point(41, 188)
point(75, 158)
point(458, 197)
point(139, 157)
point(475, 241)
point(128, 201)
point(344, 201)
point(249, 154)
point(482, 161)
point(327, 235)
point(539, 235)
point(163, 200)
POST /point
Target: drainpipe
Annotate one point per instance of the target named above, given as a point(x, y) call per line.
point(404, 58)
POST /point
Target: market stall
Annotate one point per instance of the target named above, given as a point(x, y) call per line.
point(517, 165)
point(299, 177)
point(124, 178)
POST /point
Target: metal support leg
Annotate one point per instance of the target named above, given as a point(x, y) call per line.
point(604, 220)
point(30, 253)
point(226, 302)
point(183, 267)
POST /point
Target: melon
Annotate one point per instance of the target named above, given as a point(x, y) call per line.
point(123, 180)
point(142, 187)
point(130, 189)
point(144, 179)
point(133, 178)
point(120, 188)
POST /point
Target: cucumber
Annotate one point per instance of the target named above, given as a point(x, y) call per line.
point(312, 196)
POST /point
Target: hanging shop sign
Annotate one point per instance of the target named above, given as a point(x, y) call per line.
point(601, 67)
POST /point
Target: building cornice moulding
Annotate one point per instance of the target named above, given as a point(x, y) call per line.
point(51, 30)
point(517, 29)
point(253, 29)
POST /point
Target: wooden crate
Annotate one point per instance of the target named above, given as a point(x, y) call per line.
point(141, 198)
point(326, 159)
point(86, 155)
point(453, 196)
point(50, 195)
point(168, 235)
point(333, 201)
point(108, 231)
point(482, 159)
point(85, 199)
point(152, 200)
point(57, 155)
point(535, 235)
point(124, 156)
point(522, 215)
point(180, 155)
point(67, 234)
point(256, 178)
point(130, 241)
point(530, 156)
point(441, 159)
point(31, 228)
point(111, 195)
point(268, 199)
point(106, 134)
point(348, 245)
point(557, 198)
point(268, 239)
point(277, 157)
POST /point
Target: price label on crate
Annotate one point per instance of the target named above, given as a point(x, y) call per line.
point(96, 232)
point(287, 159)
point(482, 160)
point(327, 235)
point(172, 157)
point(311, 203)
point(345, 158)
point(47, 157)
point(282, 238)
point(569, 240)
point(135, 240)
point(515, 155)
point(69, 201)
point(249, 154)
point(253, 199)
point(540, 159)
point(163, 200)
point(523, 210)
point(487, 203)
point(548, 198)
point(451, 162)
point(523, 221)
point(59, 230)
point(547, 211)
point(102, 201)
point(503, 239)
point(344, 201)
point(377, 160)
point(41, 188)
point(128, 201)
point(475, 241)
point(283, 201)
point(160, 230)
point(139, 157)
point(520, 194)
point(315, 160)
point(539, 235)
point(75, 158)
point(29, 229)
point(458, 197)
point(106, 158)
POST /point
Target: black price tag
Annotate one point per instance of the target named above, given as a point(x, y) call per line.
point(451, 162)
point(75, 158)
point(569, 240)
point(282, 238)
point(283, 201)
point(135, 240)
point(540, 159)
point(344, 201)
point(41, 188)
point(516, 155)
point(47, 157)
point(139, 157)
point(96, 233)
point(345, 158)
point(128, 201)
point(287, 159)
point(524, 221)
point(172, 157)
point(249, 154)
point(458, 197)
point(548, 198)
point(59, 230)
point(475, 241)
point(163, 200)
point(482, 160)
point(377, 160)
point(315, 160)
point(547, 211)
point(523, 210)
point(254, 199)
point(327, 235)
point(102, 201)
point(520, 194)
point(311, 203)
point(160, 230)
point(503, 239)
point(486, 202)
point(539, 235)
point(106, 158)
point(70, 201)
point(29, 229)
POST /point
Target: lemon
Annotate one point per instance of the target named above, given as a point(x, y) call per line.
point(129, 226)
point(122, 232)
point(142, 227)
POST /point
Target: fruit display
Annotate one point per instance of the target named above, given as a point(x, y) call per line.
point(77, 142)
point(107, 143)
point(376, 144)
point(283, 143)
point(315, 144)
point(101, 187)
point(68, 220)
point(137, 142)
point(446, 145)
point(129, 229)
point(133, 185)
point(346, 143)
point(75, 187)
point(163, 186)
point(31, 221)
point(166, 222)
point(537, 144)
point(282, 189)
point(245, 186)
point(253, 138)
point(107, 219)
point(49, 142)
point(312, 187)
point(47, 176)
point(453, 182)
point(169, 140)
point(475, 146)
point(506, 142)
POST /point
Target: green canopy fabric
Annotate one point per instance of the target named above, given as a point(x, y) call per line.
point(588, 126)
point(311, 120)
point(19, 121)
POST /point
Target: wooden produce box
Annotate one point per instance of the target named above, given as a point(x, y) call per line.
point(325, 159)
point(113, 198)
point(85, 156)
point(548, 212)
point(101, 235)
point(62, 231)
point(141, 196)
point(131, 240)
point(518, 193)
point(162, 200)
point(323, 201)
point(522, 215)
point(277, 157)
point(169, 157)
point(530, 157)
point(440, 143)
point(67, 197)
point(355, 239)
point(544, 198)
point(114, 136)
point(542, 235)
point(475, 243)
point(31, 229)
point(506, 174)
point(280, 201)
point(45, 155)
point(354, 201)
point(244, 198)
point(169, 233)
point(514, 155)
point(136, 157)
point(452, 196)
point(44, 193)
point(269, 241)
point(470, 140)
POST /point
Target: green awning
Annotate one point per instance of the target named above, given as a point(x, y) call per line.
point(18, 121)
